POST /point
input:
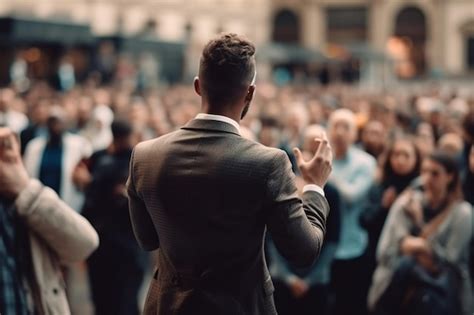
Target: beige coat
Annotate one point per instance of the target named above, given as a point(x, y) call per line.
point(58, 236)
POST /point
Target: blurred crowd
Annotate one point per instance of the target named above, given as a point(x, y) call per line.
point(401, 188)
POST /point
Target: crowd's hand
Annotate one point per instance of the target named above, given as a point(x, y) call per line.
point(13, 175)
point(412, 245)
point(389, 196)
point(426, 261)
point(298, 287)
point(318, 168)
point(413, 209)
point(81, 176)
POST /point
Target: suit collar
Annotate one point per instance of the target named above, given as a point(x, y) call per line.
point(213, 125)
point(219, 118)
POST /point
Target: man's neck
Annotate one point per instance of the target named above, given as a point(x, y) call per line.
point(225, 111)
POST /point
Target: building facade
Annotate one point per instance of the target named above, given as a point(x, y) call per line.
point(425, 37)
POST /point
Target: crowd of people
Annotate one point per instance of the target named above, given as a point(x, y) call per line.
point(400, 193)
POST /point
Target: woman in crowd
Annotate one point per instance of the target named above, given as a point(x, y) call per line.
point(468, 184)
point(426, 234)
point(399, 166)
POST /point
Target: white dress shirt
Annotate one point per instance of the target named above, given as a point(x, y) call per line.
point(225, 119)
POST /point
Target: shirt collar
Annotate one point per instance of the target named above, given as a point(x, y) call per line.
point(220, 118)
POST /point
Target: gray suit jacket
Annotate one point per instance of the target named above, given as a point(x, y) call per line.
point(204, 196)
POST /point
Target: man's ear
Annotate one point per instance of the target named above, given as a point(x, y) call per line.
point(197, 86)
point(250, 93)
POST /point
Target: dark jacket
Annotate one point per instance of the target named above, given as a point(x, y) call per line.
point(204, 196)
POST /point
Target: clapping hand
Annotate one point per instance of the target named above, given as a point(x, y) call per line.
point(13, 175)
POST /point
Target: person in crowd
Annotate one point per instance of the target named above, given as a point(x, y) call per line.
point(38, 234)
point(374, 138)
point(66, 74)
point(9, 117)
point(425, 139)
point(468, 135)
point(296, 121)
point(307, 290)
point(436, 118)
point(19, 74)
point(204, 197)
point(427, 231)
point(97, 130)
point(270, 132)
point(453, 145)
point(352, 176)
point(53, 159)
point(106, 207)
point(37, 125)
point(139, 117)
point(83, 117)
point(399, 169)
point(468, 183)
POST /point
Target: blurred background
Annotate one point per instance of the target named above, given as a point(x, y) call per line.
point(358, 41)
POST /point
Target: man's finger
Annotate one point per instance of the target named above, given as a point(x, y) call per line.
point(298, 156)
point(328, 153)
point(6, 137)
point(324, 136)
point(9, 145)
point(321, 149)
point(317, 142)
point(4, 134)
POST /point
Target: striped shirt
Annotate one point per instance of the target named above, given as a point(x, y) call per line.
point(13, 256)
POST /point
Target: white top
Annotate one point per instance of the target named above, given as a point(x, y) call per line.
point(225, 119)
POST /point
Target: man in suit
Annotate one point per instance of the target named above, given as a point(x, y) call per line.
point(204, 196)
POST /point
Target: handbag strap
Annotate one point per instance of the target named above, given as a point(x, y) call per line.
point(431, 227)
point(415, 212)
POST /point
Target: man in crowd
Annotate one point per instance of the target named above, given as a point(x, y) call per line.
point(117, 268)
point(352, 176)
point(204, 195)
point(38, 232)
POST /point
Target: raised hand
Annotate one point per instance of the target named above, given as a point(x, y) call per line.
point(318, 168)
point(13, 175)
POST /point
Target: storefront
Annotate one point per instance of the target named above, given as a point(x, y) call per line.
point(42, 46)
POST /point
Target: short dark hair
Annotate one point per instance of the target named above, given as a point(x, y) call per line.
point(450, 165)
point(388, 172)
point(121, 129)
point(468, 126)
point(226, 68)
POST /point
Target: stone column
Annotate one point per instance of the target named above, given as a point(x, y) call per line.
point(313, 25)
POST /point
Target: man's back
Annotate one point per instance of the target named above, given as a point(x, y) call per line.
point(207, 194)
point(203, 195)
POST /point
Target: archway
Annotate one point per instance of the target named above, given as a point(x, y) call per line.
point(408, 43)
point(286, 27)
point(467, 31)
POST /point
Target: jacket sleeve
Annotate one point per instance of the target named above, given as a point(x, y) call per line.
point(398, 226)
point(65, 231)
point(278, 266)
point(460, 235)
point(296, 226)
point(142, 224)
